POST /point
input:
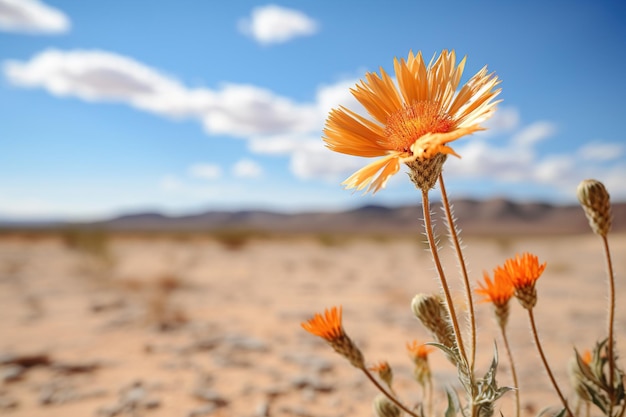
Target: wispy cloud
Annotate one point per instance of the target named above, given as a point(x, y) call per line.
point(602, 151)
point(205, 171)
point(274, 24)
point(516, 160)
point(247, 168)
point(279, 126)
point(32, 17)
point(534, 133)
point(235, 109)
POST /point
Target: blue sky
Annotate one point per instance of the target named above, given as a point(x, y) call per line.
point(116, 106)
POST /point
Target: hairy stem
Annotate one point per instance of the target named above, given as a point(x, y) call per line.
point(533, 328)
point(611, 357)
point(513, 371)
point(391, 397)
point(444, 283)
point(468, 290)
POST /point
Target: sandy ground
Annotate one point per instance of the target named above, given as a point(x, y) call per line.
point(194, 327)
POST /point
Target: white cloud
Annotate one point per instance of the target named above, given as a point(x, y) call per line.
point(236, 110)
point(32, 17)
point(244, 110)
point(602, 151)
point(332, 96)
point(505, 120)
point(205, 171)
point(274, 24)
point(170, 183)
point(533, 133)
point(516, 162)
point(247, 168)
point(282, 144)
point(315, 161)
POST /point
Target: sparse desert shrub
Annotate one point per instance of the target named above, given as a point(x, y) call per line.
point(94, 246)
point(235, 239)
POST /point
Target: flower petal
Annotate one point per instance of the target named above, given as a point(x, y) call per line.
point(389, 165)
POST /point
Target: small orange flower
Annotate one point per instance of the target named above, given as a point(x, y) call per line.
point(418, 351)
point(419, 354)
point(411, 120)
point(382, 366)
point(524, 271)
point(327, 326)
point(384, 371)
point(498, 292)
point(586, 357)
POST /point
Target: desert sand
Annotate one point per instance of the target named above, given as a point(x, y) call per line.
point(191, 326)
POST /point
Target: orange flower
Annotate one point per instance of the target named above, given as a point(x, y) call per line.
point(382, 366)
point(524, 271)
point(327, 326)
point(418, 351)
point(413, 120)
point(384, 371)
point(498, 292)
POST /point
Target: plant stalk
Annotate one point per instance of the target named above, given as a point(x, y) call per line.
point(533, 328)
point(468, 290)
point(387, 394)
point(442, 276)
point(513, 371)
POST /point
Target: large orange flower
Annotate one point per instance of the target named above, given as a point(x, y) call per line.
point(413, 120)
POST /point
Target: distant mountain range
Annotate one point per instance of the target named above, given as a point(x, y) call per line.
point(495, 216)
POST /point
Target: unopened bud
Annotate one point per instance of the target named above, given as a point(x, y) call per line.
point(383, 407)
point(432, 312)
point(595, 201)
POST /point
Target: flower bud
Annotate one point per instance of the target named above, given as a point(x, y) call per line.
point(595, 202)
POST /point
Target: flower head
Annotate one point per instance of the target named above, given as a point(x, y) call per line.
point(523, 272)
point(384, 372)
point(498, 292)
point(419, 354)
point(328, 326)
point(595, 200)
point(432, 312)
point(413, 121)
point(418, 351)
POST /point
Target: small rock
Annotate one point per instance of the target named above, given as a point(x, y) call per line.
point(306, 381)
point(27, 360)
point(210, 396)
point(12, 373)
point(203, 411)
point(7, 403)
point(263, 409)
point(245, 343)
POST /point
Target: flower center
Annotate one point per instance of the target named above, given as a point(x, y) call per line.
point(411, 122)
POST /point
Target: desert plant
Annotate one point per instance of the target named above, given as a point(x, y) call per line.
point(413, 122)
